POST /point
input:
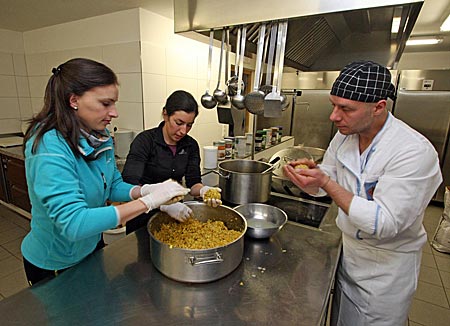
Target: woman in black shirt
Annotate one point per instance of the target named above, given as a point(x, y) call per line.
point(167, 151)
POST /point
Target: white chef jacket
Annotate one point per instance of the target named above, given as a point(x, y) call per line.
point(393, 182)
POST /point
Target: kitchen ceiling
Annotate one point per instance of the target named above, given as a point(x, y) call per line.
point(25, 15)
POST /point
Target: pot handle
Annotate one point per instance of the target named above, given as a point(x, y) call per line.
point(221, 175)
point(214, 258)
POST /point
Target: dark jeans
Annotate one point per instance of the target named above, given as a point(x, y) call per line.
point(35, 274)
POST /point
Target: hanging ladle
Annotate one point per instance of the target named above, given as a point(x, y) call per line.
point(238, 99)
point(208, 101)
point(233, 80)
point(219, 94)
point(254, 101)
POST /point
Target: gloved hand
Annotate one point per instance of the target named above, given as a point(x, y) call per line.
point(164, 192)
point(149, 188)
point(211, 196)
point(178, 211)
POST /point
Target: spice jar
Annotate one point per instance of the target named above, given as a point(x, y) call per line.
point(228, 148)
point(221, 150)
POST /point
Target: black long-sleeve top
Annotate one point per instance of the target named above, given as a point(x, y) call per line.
point(150, 159)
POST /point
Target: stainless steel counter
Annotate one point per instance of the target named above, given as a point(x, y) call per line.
point(282, 281)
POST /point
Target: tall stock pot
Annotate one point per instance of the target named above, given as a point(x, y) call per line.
point(245, 181)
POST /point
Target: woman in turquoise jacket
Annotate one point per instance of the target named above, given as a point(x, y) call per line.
point(71, 172)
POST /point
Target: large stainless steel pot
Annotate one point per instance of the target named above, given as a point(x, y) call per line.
point(198, 265)
point(245, 181)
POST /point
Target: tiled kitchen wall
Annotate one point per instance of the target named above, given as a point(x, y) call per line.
point(15, 102)
point(112, 39)
point(150, 60)
point(171, 62)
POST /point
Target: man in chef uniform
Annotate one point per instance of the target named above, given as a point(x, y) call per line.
point(382, 174)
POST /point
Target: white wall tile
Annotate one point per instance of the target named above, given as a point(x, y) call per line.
point(20, 67)
point(36, 104)
point(9, 126)
point(153, 59)
point(26, 111)
point(93, 53)
point(37, 85)
point(130, 89)
point(154, 88)
point(11, 41)
point(8, 86)
point(152, 114)
point(118, 27)
point(123, 58)
point(155, 28)
point(23, 89)
point(181, 63)
point(182, 83)
point(207, 116)
point(54, 58)
point(36, 65)
point(130, 116)
point(9, 108)
point(6, 64)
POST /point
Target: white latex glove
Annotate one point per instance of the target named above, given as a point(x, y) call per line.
point(164, 192)
point(178, 211)
point(210, 201)
point(149, 188)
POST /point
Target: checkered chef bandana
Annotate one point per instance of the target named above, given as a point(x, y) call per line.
point(364, 81)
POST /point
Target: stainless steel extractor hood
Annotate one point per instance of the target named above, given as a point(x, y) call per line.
point(322, 35)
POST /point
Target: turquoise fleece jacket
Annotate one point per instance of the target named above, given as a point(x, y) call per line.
point(68, 196)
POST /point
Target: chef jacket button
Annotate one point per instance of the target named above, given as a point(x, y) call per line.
point(173, 170)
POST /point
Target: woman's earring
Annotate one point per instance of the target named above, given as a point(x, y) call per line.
point(75, 108)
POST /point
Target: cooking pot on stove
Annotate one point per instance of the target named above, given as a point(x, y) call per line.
point(198, 265)
point(245, 181)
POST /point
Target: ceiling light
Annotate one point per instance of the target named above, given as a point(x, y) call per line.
point(424, 41)
point(445, 27)
point(395, 25)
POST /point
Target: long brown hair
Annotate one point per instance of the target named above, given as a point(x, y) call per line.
point(74, 77)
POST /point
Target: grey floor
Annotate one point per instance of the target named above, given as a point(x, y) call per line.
point(430, 307)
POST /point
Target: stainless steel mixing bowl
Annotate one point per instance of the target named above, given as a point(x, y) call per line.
point(263, 220)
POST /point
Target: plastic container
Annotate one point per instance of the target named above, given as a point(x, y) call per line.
point(210, 157)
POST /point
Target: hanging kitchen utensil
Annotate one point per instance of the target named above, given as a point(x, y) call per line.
point(207, 100)
point(267, 87)
point(220, 95)
point(224, 113)
point(284, 98)
point(232, 82)
point(238, 100)
point(254, 101)
point(272, 101)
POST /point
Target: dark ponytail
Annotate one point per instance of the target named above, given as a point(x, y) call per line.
point(74, 77)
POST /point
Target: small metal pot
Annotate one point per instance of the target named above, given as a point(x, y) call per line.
point(245, 181)
point(198, 265)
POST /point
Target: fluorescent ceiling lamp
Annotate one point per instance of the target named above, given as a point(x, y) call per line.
point(395, 25)
point(424, 41)
point(445, 27)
